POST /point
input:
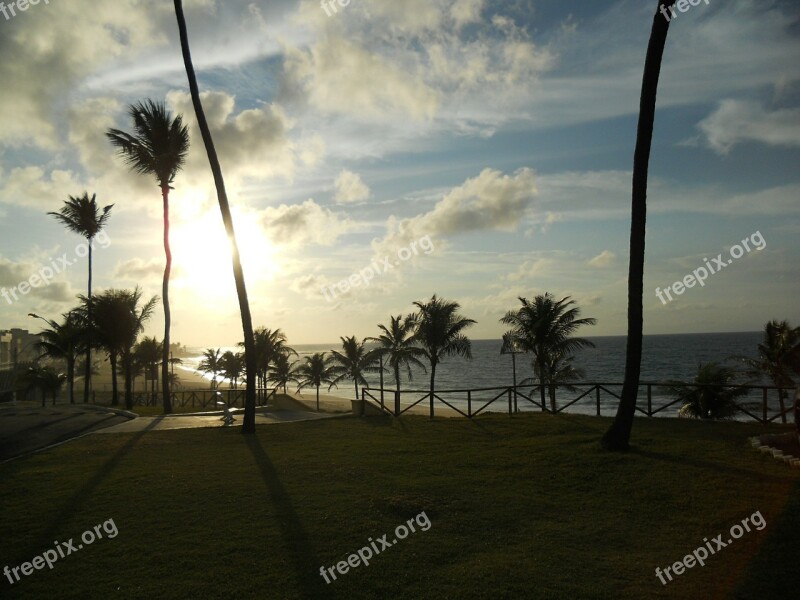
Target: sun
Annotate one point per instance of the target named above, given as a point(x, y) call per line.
point(202, 253)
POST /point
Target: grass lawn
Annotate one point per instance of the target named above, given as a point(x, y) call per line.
point(528, 507)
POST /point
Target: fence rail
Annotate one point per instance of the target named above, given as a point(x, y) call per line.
point(194, 398)
point(767, 408)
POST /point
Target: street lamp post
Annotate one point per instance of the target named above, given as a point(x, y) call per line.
point(512, 346)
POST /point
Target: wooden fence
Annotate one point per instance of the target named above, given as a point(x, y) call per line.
point(765, 409)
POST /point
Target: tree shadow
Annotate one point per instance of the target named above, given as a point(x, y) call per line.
point(301, 552)
point(713, 466)
point(73, 505)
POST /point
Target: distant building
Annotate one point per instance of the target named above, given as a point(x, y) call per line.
point(17, 345)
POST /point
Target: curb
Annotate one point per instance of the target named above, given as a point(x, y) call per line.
point(788, 459)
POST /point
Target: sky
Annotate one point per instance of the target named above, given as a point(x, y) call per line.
point(476, 149)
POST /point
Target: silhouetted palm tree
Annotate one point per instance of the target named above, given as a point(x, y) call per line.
point(45, 379)
point(716, 394)
point(544, 328)
point(316, 371)
point(81, 215)
point(117, 320)
point(232, 367)
point(148, 353)
point(352, 363)
point(439, 334)
point(64, 341)
point(249, 420)
point(211, 363)
point(398, 343)
point(158, 146)
point(619, 433)
point(283, 372)
point(269, 345)
point(778, 358)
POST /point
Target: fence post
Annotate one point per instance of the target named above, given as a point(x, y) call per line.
point(649, 400)
point(469, 403)
point(764, 405)
point(597, 395)
point(431, 394)
point(509, 402)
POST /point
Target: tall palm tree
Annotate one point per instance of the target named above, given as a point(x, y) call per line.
point(249, 421)
point(714, 397)
point(778, 358)
point(619, 433)
point(211, 363)
point(282, 371)
point(269, 345)
point(544, 328)
point(398, 343)
point(158, 146)
point(352, 363)
point(232, 367)
point(439, 333)
point(316, 371)
point(117, 320)
point(81, 215)
point(64, 341)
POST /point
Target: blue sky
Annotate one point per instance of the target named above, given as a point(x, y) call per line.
point(502, 132)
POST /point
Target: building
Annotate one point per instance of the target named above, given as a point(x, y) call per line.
point(17, 345)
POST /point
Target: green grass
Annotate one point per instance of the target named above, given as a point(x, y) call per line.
point(528, 507)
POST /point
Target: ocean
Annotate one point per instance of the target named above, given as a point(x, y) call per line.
point(664, 358)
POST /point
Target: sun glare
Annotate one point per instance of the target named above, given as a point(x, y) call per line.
point(202, 253)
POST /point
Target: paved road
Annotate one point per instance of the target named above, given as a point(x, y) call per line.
point(26, 427)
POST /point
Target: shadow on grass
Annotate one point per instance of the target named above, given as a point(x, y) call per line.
point(301, 553)
point(706, 465)
point(74, 504)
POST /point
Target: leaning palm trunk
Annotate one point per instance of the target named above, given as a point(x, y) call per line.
point(618, 435)
point(165, 391)
point(249, 421)
point(87, 371)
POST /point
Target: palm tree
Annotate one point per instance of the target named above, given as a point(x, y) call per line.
point(398, 342)
point(282, 371)
point(211, 364)
point(619, 433)
point(45, 379)
point(158, 146)
point(557, 371)
point(716, 394)
point(544, 328)
point(316, 370)
point(80, 215)
point(439, 333)
point(232, 367)
point(148, 353)
point(64, 342)
point(269, 345)
point(249, 421)
point(778, 359)
point(117, 320)
point(352, 363)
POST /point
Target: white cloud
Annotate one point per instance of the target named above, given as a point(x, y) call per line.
point(350, 188)
point(305, 223)
point(736, 121)
point(605, 259)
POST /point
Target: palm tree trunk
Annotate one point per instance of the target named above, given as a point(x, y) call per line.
point(433, 378)
point(249, 420)
point(797, 412)
point(114, 393)
point(397, 393)
point(87, 372)
point(541, 382)
point(128, 383)
point(71, 378)
point(317, 398)
point(356, 382)
point(618, 435)
point(165, 299)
